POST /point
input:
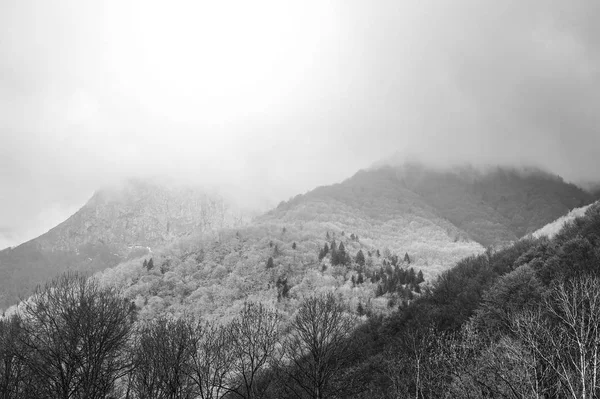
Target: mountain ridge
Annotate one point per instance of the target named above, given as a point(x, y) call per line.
point(436, 216)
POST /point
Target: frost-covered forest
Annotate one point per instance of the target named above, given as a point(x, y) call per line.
point(517, 322)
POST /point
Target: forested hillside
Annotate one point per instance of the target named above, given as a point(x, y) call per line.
point(517, 322)
point(493, 207)
point(435, 216)
point(116, 224)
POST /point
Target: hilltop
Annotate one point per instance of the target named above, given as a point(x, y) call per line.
point(116, 224)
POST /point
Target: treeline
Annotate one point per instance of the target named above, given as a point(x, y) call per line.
point(76, 339)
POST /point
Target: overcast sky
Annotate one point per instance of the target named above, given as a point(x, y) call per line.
point(277, 97)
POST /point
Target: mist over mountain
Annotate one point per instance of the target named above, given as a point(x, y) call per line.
point(437, 216)
point(117, 223)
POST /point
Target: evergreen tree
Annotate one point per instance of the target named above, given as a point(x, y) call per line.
point(353, 281)
point(323, 252)
point(150, 264)
point(360, 278)
point(407, 258)
point(360, 258)
point(420, 277)
point(145, 264)
point(283, 288)
point(270, 263)
point(360, 310)
point(378, 254)
point(294, 245)
point(327, 236)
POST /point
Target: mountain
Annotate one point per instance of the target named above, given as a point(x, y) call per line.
point(116, 224)
point(431, 216)
point(435, 218)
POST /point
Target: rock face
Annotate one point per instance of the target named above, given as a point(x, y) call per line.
point(115, 224)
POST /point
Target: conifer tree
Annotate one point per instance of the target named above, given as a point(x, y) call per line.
point(407, 258)
point(420, 277)
point(360, 258)
point(270, 263)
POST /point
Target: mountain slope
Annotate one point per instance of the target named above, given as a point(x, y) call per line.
point(116, 224)
point(552, 229)
point(434, 217)
point(494, 206)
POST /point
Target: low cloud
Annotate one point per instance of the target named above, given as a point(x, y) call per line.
point(274, 100)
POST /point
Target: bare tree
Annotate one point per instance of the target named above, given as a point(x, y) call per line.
point(317, 345)
point(163, 359)
point(75, 336)
point(211, 362)
point(565, 336)
point(14, 375)
point(254, 337)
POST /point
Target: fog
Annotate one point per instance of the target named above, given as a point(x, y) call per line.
point(269, 99)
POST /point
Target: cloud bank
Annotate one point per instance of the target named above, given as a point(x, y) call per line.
point(274, 99)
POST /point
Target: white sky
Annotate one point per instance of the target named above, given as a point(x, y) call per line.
point(275, 97)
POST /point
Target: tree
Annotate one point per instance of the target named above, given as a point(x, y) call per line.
point(15, 378)
point(270, 263)
point(211, 362)
point(360, 279)
point(150, 264)
point(317, 346)
point(420, 277)
point(406, 258)
point(145, 264)
point(565, 336)
point(323, 252)
point(294, 245)
point(339, 256)
point(360, 309)
point(360, 258)
point(163, 359)
point(76, 335)
point(283, 288)
point(254, 336)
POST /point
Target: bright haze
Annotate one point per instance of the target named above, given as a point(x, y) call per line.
point(268, 99)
